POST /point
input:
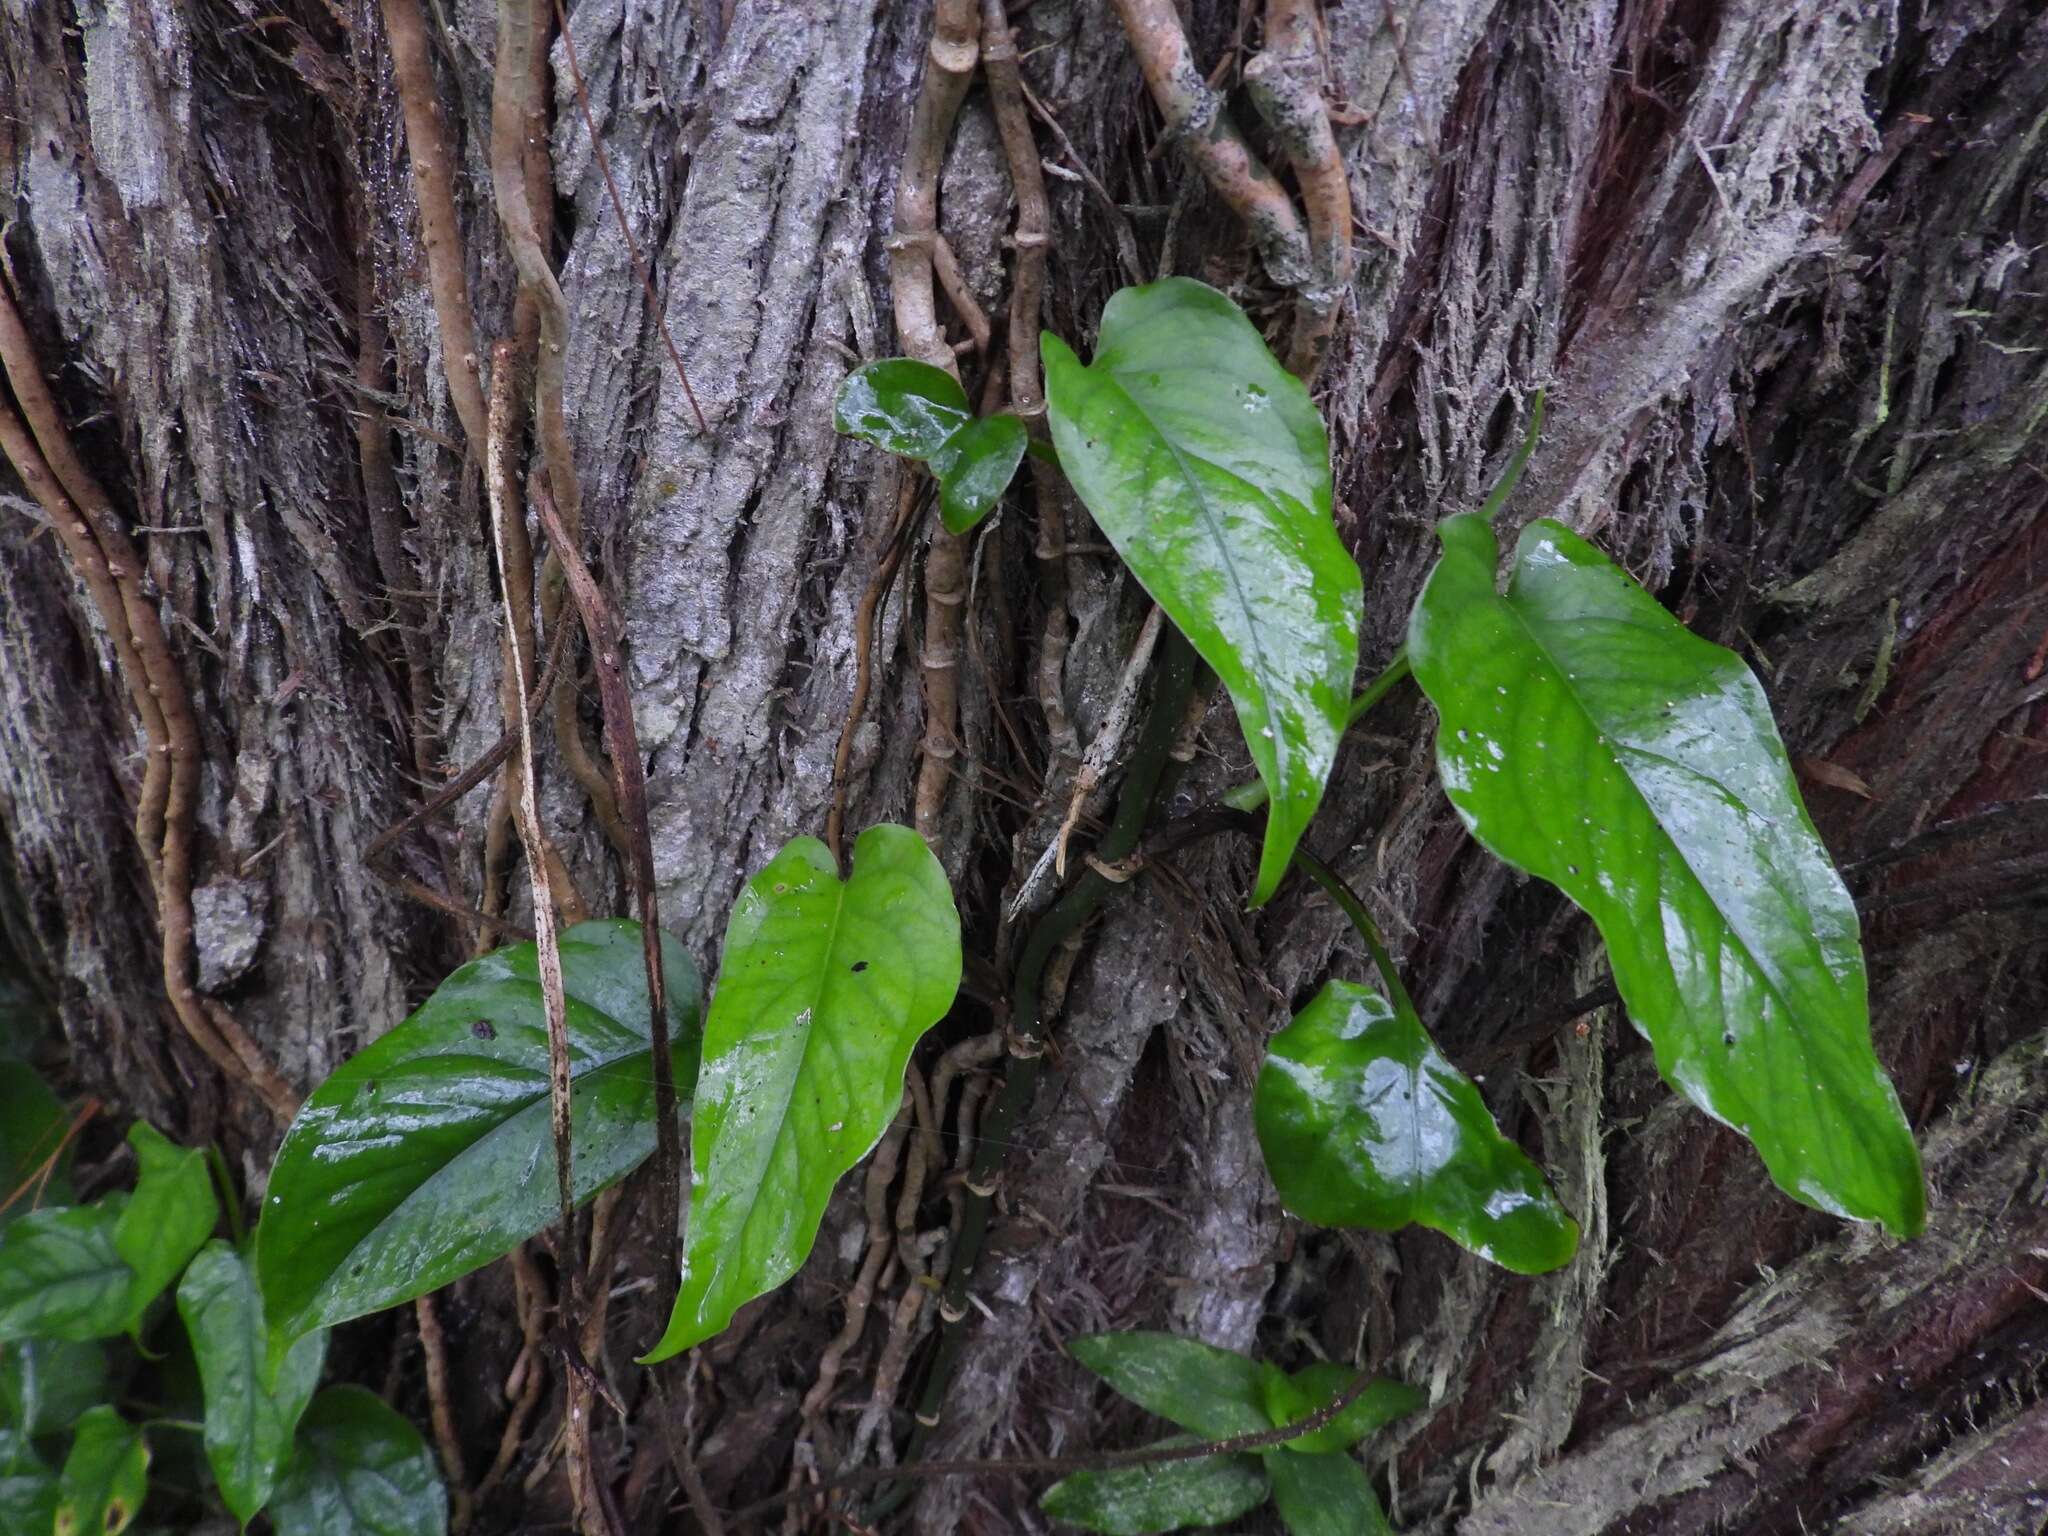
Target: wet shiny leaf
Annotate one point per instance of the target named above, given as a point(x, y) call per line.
point(358, 1469)
point(1206, 465)
point(1365, 1124)
point(45, 1384)
point(1163, 1496)
point(28, 1488)
point(104, 1478)
point(823, 989)
point(171, 1213)
point(1589, 738)
point(61, 1276)
point(251, 1409)
point(920, 412)
point(32, 1122)
point(429, 1152)
point(1326, 1495)
point(1289, 1399)
point(1211, 1391)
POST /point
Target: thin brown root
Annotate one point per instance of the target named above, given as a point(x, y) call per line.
point(434, 1350)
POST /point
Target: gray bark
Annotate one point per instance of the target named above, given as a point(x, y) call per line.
point(1778, 266)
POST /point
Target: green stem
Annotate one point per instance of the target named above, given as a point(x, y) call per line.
point(230, 1201)
point(1249, 797)
point(1347, 899)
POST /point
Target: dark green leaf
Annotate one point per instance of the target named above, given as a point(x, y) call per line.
point(60, 1275)
point(1160, 1496)
point(921, 412)
point(32, 1123)
point(1290, 1399)
point(1326, 1495)
point(358, 1469)
point(1589, 738)
point(170, 1214)
point(1364, 1124)
point(45, 1384)
point(974, 468)
point(251, 1410)
point(1211, 1391)
point(104, 1478)
point(429, 1153)
point(822, 992)
point(28, 1488)
point(1206, 465)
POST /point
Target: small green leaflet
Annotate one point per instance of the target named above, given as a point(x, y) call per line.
point(358, 1469)
point(1733, 941)
point(1159, 1496)
point(45, 1384)
point(171, 1213)
point(429, 1153)
point(1206, 465)
point(1363, 1123)
point(61, 1276)
point(104, 1478)
point(921, 412)
point(824, 989)
point(1290, 1399)
point(251, 1411)
point(1214, 1392)
point(28, 1488)
point(1326, 1495)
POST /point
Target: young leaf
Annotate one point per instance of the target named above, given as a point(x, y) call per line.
point(32, 1124)
point(170, 1214)
point(918, 411)
point(28, 1488)
point(104, 1478)
point(822, 992)
point(1162, 1496)
point(428, 1153)
point(1589, 738)
point(45, 1384)
point(358, 1469)
point(1207, 467)
point(1325, 1495)
point(60, 1275)
point(251, 1411)
point(1290, 1399)
point(1364, 1124)
point(1211, 1391)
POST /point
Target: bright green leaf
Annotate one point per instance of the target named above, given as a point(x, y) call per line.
point(1206, 465)
point(45, 1384)
point(1365, 1124)
point(32, 1124)
point(1589, 738)
point(918, 411)
point(358, 1469)
point(28, 1488)
point(823, 990)
point(430, 1153)
point(1159, 1496)
point(1211, 1391)
point(172, 1211)
point(1290, 1399)
point(104, 1478)
point(61, 1276)
point(1326, 1495)
point(251, 1411)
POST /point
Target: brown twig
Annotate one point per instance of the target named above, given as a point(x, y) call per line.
point(434, 1350)
point(863, 656)
point(523, 1382)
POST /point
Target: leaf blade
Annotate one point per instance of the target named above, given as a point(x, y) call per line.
point(104, 1478)
point(171, 1213)
point(901, 405)
point(1290, 1399)
point(1325, 1495)
point(60, 1275)
point(1164, 1496)
point(1215, 1392)
point(975, 466)
point(358, 1469)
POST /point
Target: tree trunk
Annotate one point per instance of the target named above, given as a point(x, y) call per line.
point(1776, 265)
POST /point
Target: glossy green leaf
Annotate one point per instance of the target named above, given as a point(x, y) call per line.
point(45, 1384)
point(430, 1153)
point(358, 1469)
point(822, 992)
point(105, 1477)
point(1290, 1399)
point(1206, 465)
point(251, 1409)
point(920, 412)
point(1589, 738)
point(1325, 1495)
point(1365, 1124)
point(32, 1123)
point(172, 1211)
point(1160, 1496)
point(28, 1488)
point(61, 1276)
point(1211, 1391)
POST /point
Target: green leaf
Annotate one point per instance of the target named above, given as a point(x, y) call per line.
point(45, 1384)
point(171, 1213)
point(918, 411)
point(429, 1153)
point(1206, 465)
point(358, 1469)
point(1290, 1399)
point(104, 1478)
point(1326, 1495)
point(61, 1276)
point(1589, 738)
point(1211, 1391)
point(1364, 1124)
point(822, 992)
point(251, 1411)
point(1161, 1496)
point(32, 1124)
point(28, 1488)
